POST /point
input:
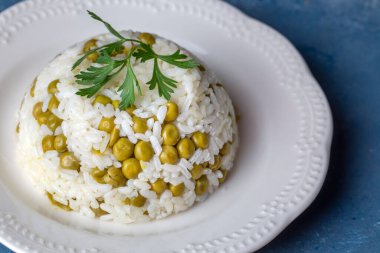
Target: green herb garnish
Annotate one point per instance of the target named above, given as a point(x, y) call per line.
point(96, 76)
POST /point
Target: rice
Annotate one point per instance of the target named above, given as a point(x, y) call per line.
point(203, 105)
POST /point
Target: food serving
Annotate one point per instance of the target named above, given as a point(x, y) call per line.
point(127, 127)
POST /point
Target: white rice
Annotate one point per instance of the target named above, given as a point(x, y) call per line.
point(203, 105)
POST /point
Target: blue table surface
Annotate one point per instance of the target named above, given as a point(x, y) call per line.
point(340, 40)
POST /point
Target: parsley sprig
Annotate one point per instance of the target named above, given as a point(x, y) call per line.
point(106, 67)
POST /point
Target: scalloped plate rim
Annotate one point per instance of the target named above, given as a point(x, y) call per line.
point(326, 140)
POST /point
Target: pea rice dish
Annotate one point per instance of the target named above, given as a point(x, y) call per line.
point(126, 127)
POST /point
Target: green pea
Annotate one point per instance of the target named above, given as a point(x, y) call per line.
point(106, 124)
point(131, 168)
point(87, 47)
point(123, 149)
point(200, 140)
point(115, 172)
point(115, 103)
point(98, 175)
point(52, 87)
point(101, 99)
point(99, 212)
point(197, 171)
point(60, 143)
point(217, 163)
point(53, 103)
point(159, 186)
point(225, 149)
point(93, 56)
point(53, 122)
point(147, 38)
point(131, 109)
point(139, 125)
point(69, 161)
point(172, 112)
point(170, 134)
point(143, 151)
point(37, 109)
point(43, 117)
point(177, 190)
point(186, 148)
point(114, 177)
point(169, 155)
point(201, 185)
point(138, 201)
point(48, 143)
point(114, 136)
point(111, 181)
point(56, 203)
point(222, 179)
point(127, 201)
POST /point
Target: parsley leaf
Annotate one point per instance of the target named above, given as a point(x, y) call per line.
point(107, 48)
point(175, 59)
point(107, 25)
point(105, 68)
point(96, 76)
point(164, 84)
point(145, 52)
point(128, 87)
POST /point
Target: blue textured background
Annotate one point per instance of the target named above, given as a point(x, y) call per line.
point(340, 40)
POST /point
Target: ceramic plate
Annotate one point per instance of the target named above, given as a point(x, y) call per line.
point(285, 127)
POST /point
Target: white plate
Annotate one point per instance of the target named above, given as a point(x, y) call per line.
point(285, 127)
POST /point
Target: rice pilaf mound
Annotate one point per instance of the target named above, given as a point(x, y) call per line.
point(146, 162)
